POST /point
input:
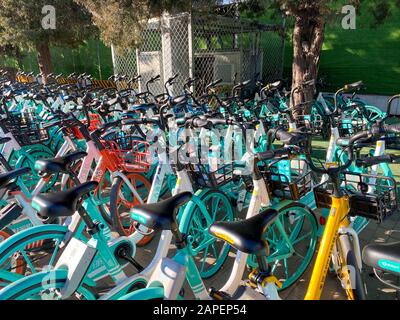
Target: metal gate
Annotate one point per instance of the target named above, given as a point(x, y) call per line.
point(207, 47)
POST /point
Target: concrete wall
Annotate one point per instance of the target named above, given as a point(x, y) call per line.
point(381, 102)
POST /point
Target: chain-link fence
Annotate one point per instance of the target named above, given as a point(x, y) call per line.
point(207, 47)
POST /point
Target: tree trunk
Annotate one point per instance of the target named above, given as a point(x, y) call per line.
point(308, 38)
point(44, 60)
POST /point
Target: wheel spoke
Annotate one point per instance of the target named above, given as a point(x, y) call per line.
point(301, 238)
point(28, 261)
point(204, 260)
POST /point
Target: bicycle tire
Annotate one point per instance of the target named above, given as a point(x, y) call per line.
point(33, 285)
point(117, 223)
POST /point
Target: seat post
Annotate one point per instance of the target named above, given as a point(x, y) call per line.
point(180, 241)
point(263, 265)
point(86, 218)
point(74, 178)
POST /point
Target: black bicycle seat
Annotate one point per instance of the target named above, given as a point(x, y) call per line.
point(383, 256)
point(160, 215)
point(62, 204)
point(58, 165)
point(248, 236)
point(6, 177)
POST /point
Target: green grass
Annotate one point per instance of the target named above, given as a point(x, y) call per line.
point(320, 147)
point(369, 53)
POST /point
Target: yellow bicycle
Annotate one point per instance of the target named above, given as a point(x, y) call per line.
point(339, 244)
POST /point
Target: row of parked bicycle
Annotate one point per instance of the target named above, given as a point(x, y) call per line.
point(89, 176)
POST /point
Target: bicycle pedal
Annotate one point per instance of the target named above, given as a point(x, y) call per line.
point(218, 295)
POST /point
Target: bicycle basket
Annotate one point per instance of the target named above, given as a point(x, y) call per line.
point(349, 126)
point(372, 197)
point(129, 154)
point(26, 128)
point(313, 123)
point(202, 176)
point(95, 123)
point(287, 179)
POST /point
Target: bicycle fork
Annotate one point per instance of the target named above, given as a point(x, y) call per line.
point(336, 219)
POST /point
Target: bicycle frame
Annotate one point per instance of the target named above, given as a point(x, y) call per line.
point(337, 219)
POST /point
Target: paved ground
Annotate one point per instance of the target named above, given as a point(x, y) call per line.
point(389, 231)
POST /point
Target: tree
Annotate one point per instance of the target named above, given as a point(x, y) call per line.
point(309, 21)
point(21, 26)
point(121, 21)
point(12, 51)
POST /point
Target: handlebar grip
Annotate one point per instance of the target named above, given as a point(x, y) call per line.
point(266, 155)
point(286, 137)
point(353, 86)
point(155, 78)
point(170, 80)
point(271, 154)
point(216, 121)
point(199, 123)
point(371, 161)
point(213, 84)
point(191, 80)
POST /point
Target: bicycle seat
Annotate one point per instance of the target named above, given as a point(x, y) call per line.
point(383, 256)
point(58, 165)
point(62, 204)
point(160, 215)
point(6, 177)
point(247, 235)
point(4, 140)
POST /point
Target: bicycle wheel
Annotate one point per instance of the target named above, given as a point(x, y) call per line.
point(205, 208)
point(29, 251)
point(44, 286)
point(122, 200)
point(154, 293)
point(102, 196)
point(32, 154)
point(292, 239)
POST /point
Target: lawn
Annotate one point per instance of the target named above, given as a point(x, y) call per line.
point(320, 147)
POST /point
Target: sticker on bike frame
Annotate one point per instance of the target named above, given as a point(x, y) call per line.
point(389, 265)
point(139, 218)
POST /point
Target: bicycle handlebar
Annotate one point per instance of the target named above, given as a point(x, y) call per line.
point(377, 130)
point(213, 84)
point(271, 154)
point(127, 122)
point(371, 161)
point(353, 86)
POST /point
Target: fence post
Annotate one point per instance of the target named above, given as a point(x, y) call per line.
point(190, 42)
point(113, 59)
point(166, 47)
